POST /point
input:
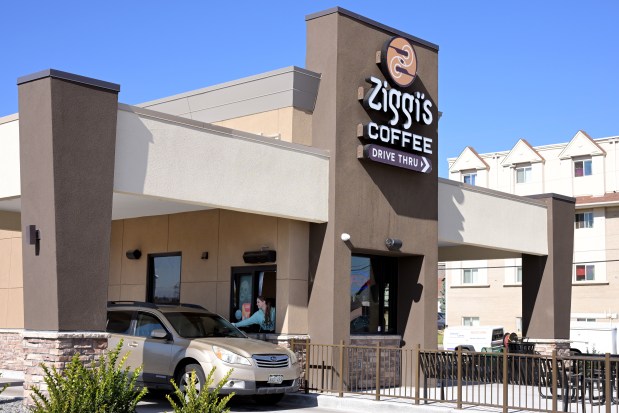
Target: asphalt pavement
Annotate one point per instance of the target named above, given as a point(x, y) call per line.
point(155, 402)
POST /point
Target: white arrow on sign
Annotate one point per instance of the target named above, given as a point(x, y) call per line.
point(427, 164)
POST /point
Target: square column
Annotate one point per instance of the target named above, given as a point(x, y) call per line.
point(67, 133)
point(547, 280)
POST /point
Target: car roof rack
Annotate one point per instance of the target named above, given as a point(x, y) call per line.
point(132, 303)
point(152, 305)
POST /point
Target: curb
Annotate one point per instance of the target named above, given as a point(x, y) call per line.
point(361, 404)
point(10, 382)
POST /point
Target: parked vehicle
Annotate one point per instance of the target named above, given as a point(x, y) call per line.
point(171, 341)
point(474, 338)
point(594, 337)
point(440, 322)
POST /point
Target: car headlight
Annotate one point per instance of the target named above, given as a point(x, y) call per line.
point(230, 357)
point(293, 358)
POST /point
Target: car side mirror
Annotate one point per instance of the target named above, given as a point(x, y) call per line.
point(158, 333)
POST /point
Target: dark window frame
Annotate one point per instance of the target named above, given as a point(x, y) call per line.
point(254, 270)
point(387, 263)
point(150, 268)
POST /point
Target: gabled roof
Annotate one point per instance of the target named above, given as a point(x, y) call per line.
point(467, 160)
point(522, 152)
point(581, 145)
point(609, 198)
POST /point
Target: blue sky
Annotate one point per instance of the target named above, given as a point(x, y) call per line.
point(539, 70)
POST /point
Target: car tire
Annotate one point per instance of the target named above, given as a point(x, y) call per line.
point(184, 376)
point(268, 399)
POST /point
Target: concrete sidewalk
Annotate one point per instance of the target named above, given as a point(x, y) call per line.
point(156, 403)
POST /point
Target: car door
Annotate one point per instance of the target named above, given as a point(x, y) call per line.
point(121, 326)
point(155, 352)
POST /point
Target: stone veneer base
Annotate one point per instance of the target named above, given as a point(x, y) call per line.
point(56, 348)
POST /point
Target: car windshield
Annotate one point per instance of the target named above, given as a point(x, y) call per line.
point(200, 325)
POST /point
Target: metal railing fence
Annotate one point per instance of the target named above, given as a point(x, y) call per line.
point(534, 382)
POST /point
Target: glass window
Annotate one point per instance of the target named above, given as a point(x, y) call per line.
point(584, 220)
point(523, 174)
point(164, 278)
point(249, 283)
point(519, 324)
point(119, 322)
point(585, 272)
point(470, 276)
point(469, 178)
point(518, 279)
point(582, 168)
point(146, 324)
point(373, 287)
point(470, 321)
point(199, 325)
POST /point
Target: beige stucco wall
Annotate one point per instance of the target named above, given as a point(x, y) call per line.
point(276, 123)
point(225, 235)
point(11, 280)
point(602, 297)
point(497, 302)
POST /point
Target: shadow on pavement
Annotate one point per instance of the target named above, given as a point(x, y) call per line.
point(156, 402)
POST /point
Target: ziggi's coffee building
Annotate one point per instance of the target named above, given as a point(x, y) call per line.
point(316, 187)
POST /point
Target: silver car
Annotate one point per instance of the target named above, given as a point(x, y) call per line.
point(171, 341)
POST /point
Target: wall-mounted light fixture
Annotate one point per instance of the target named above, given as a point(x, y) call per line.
point(204, 255)
point(134, 254)
point(345, 236)
point(393, 244)
point(262, 256)
point(34, 238)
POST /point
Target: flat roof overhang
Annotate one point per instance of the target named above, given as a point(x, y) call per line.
point(168, 164)
point(479, 223)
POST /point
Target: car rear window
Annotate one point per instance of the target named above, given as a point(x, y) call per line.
point(200, 325)
point(119, 322)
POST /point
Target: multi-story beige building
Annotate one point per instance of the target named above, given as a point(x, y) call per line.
point(489, 291)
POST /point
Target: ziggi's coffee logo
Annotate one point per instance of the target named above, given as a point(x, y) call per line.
point(400, 117)
point(398, 59)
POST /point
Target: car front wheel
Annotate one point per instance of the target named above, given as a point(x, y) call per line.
point(184, 377)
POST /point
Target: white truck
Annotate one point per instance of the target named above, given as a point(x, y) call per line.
point(474, 338)
point(594, 337)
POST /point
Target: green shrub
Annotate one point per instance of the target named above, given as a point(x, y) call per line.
point(104, 387)
point(3, 388)
point(205, 401)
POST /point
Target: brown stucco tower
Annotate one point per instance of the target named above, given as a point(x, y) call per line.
point(67, 143)
point(369, 200)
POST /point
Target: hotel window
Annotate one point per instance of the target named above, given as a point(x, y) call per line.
point(470, 276)
point(584, 220)
point(582, 168)
point(164, 278)
point(585, 272)
point(470, 321)
point(523, 174)
point(373, 284)
point(249, 283)
point(469, 178)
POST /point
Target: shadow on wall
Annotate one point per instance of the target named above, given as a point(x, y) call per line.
point(451, 222)
point(133, 141)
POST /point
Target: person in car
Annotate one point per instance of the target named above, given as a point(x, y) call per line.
point(264, 317)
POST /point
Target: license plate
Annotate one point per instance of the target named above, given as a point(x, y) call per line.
point(275, 379)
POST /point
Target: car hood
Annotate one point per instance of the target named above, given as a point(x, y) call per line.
point(242, 346)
